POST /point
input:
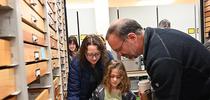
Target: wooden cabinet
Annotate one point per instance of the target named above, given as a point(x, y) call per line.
point(30, 50)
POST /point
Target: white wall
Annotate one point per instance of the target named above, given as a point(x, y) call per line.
point(87, 21)
point(145, 15)
point(181, 16)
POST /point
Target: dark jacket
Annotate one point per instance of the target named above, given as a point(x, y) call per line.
point(98, 94)
point(178, 64)
point(83, 79)
point(207, 44)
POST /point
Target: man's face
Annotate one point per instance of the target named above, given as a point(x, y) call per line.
point(124, 47)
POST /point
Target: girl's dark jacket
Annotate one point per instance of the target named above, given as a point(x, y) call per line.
point(98, 94)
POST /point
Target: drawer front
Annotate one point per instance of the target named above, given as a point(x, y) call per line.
point(3, 2)
point(32, 35)
point(44, 95)
point(32, 72)
point(55, 63)
point(5, 52)
point(43, 67)
point(7, 80)
point(53, 34)
point(52, 23)
point(57, 91)
point(56, 82)
point(51, 13)
point(54, 53)
point(29, 15)
point(31, 53)
point(37, 6)
point(53, 43)
point(34, 53)
point(51, 4)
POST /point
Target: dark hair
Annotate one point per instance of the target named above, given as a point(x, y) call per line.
point(124, 85)
point(164, 24)
point(93, 40)
point(73, 39)
point(122, 27)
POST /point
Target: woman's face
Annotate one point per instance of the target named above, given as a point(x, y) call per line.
point(72, 46)
point(115, 78)
point(93, 54)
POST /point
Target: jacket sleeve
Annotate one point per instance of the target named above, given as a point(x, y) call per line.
point(165, 76)
point(73, 81)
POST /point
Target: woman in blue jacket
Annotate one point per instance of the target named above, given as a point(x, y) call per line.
point(87, 68)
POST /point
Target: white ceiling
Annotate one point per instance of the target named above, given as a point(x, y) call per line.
point(120, 3)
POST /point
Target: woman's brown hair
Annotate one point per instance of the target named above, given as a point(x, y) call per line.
point(124, 85)
point(93, 40)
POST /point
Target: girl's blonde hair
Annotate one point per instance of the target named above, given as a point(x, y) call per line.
point(124, 85)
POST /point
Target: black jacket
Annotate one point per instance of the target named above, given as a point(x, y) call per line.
point(83, 79)
point(98, 94)
point(178, 64)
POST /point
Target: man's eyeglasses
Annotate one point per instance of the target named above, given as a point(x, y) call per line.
point(91, 55)
point(120, 48)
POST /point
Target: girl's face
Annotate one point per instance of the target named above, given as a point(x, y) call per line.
point(93, 54)
point(115, 78)
point(72, 46)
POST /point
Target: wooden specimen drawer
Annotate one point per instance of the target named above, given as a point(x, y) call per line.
point(39, 94)
point(7, 80)
point(37, 7)
point(30, 15)
point(51, 13)
point(56, 82)
point(53, 43)
point(5, 52)
point(53, 34)
point(32, 72)
point(57, 91)
point(35, 70)
point(3, 3)
point(51, 4)
point(34, 53)
point(43, 66)
point(54, 53)
point(32, 35)
point(55, 63)
point(52, 23)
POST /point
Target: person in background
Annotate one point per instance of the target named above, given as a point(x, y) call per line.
point(72, 46)
point(178, 64)
point(87, 68)
point(164, 24)
point(207, 43)
point(115, 85)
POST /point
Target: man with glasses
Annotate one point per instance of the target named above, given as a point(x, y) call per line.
point(178, 65)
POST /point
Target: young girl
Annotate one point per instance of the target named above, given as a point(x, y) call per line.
point(116, 84)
